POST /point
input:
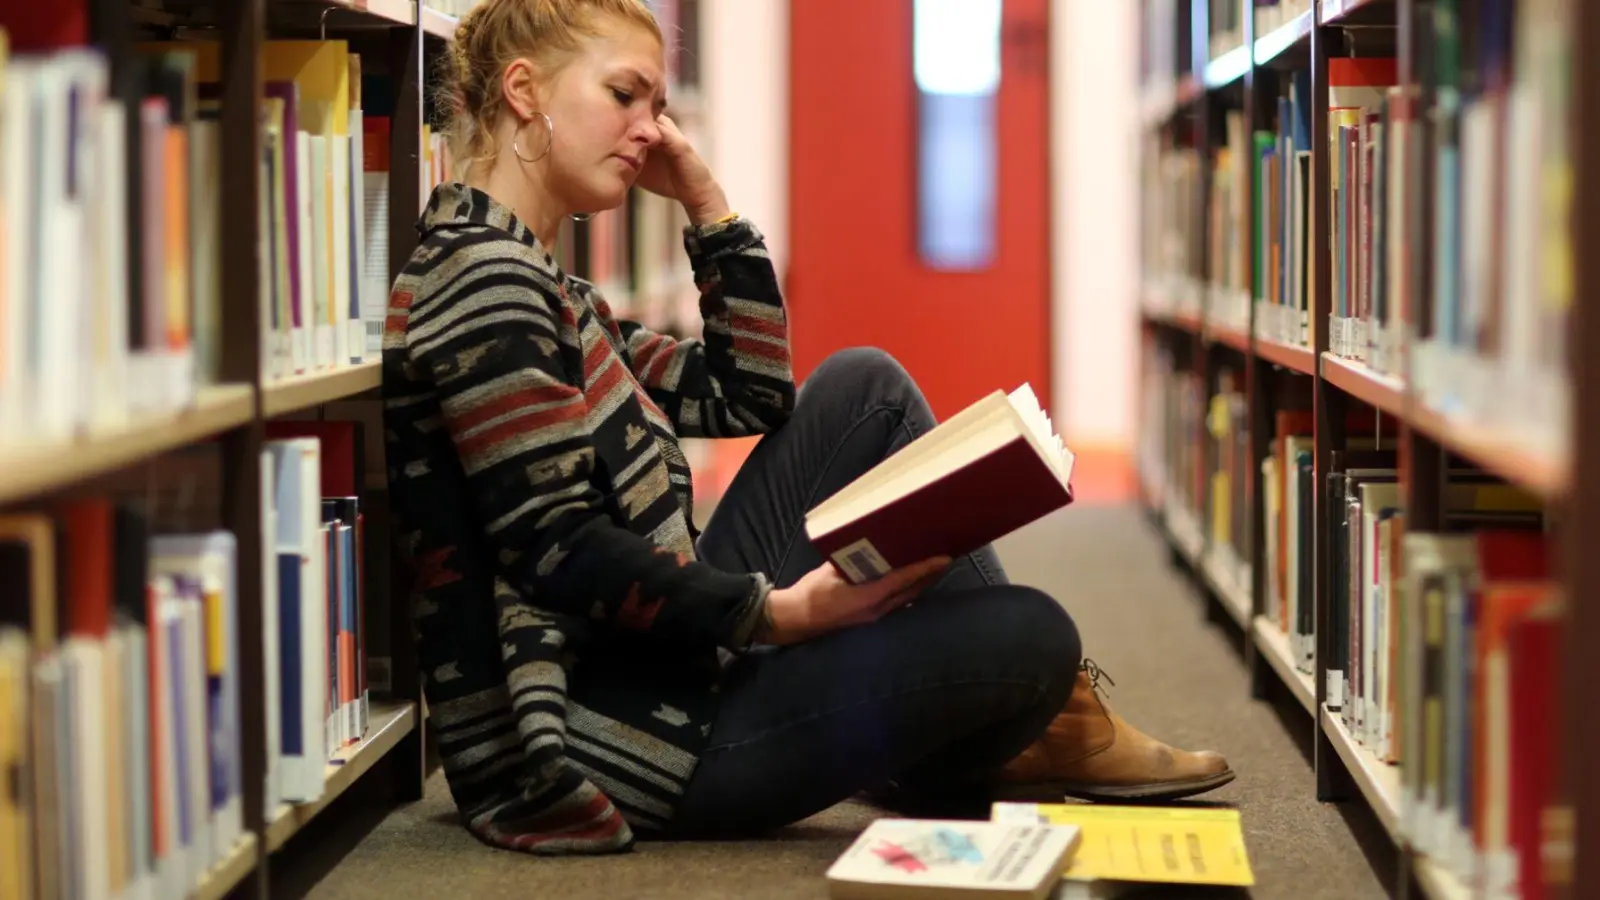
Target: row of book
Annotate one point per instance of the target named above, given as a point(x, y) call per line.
point(1164, 46)
point(109, 261)
point(1172, 245)
point(1443, 646)
point(110, 302)
point(1226, 24)
point(1174, 401)
point(120, 666)
point(1228, 452)
point(119, 705)
point(1441, 650)
point(1492, 307)
point(457, 8)
point(1271, 15)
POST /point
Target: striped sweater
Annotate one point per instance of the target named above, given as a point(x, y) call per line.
point(568, 638)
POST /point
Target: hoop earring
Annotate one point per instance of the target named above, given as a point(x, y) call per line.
point(549, 126)
point(581, 217)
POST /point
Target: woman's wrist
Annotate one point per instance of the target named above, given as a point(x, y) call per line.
point(709, 209)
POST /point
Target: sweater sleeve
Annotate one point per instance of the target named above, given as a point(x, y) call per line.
point(737, 381)
point(520, 432)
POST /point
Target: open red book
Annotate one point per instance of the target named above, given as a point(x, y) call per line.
point(985, 472)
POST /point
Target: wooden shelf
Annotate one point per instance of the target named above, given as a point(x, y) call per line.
point(1278, 42)
point(439, 24)
point(388, 723)
point(1228, 68)
point(226, 875)
point(1184, 530)
point(1498, 452)
point(1379, 782)
point(1383, 392)
point(1275, 649)
point(29, 471)
point(1298, 359)
point(1231, 337)
point(298, 392)
point(1234, 597)
point(1439, 883)
point(400, 12)
point(1348, 11)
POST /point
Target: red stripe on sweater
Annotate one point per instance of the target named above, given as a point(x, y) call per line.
point(493, 407)
point(761, 348)
point(596, 357)
point(757, 325)
point(520, 427)
point(659, 365)
point(646, 352)
point(602, 386)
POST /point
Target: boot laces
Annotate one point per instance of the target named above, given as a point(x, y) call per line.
point(1095, 674)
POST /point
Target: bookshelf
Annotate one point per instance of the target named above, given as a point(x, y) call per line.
point(204, 435)
point(1368, 330)
point(214, 373)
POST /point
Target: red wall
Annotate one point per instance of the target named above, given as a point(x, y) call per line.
point(854, 274)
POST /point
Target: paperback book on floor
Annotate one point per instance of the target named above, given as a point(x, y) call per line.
point(1125, 846)
point(985, 472)
point(937, 858)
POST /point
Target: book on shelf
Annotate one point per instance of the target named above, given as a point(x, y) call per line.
point(985, 472)
point(939, 858)
point(101, 322)
point(1126, 847)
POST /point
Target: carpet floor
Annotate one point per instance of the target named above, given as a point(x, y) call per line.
point(1179, 674)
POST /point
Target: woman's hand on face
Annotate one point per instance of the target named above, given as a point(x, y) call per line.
point(823, 601)
point(673, 169)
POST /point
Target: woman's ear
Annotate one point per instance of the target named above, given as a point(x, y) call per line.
point(520, 86)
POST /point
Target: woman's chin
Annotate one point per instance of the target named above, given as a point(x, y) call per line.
point(608, 194)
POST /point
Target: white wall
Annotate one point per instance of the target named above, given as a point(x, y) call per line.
point(1094, 219)
point(744, 69)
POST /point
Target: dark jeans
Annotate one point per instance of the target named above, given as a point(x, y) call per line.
point(935, 694)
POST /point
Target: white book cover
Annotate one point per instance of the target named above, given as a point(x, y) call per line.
point(197, 741)
point(356, 203)
point(205, 251)
point(299, 512)
point(89, 848)
point(135, 684)
point(931, 858)
point(73, 84)
point(375, 265)
point(17, 167)
point(338, 162)
point(171, 853)
point(269, 632)
point(322, 254)
point(305, 266)
point(106, 331)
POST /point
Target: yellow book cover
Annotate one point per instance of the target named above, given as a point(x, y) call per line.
point(321, 69)
point(1167, 845)
point(16, 857)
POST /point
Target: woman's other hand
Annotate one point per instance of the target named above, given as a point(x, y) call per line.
point(673, 169)
point(823, 600)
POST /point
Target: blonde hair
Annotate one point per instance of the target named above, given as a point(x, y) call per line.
point(498, 32)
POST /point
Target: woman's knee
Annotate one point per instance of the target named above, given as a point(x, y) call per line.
point(1040, 635)
point(864, 372)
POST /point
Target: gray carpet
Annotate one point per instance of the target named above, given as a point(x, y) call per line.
point(1179, 674)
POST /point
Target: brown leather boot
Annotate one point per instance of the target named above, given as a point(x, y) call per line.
point(1091, 753)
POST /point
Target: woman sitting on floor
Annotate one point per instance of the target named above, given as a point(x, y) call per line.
point(593, 670)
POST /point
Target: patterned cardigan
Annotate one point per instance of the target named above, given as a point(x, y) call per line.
point(569, 639)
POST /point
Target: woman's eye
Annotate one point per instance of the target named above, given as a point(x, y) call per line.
point(623, 97)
